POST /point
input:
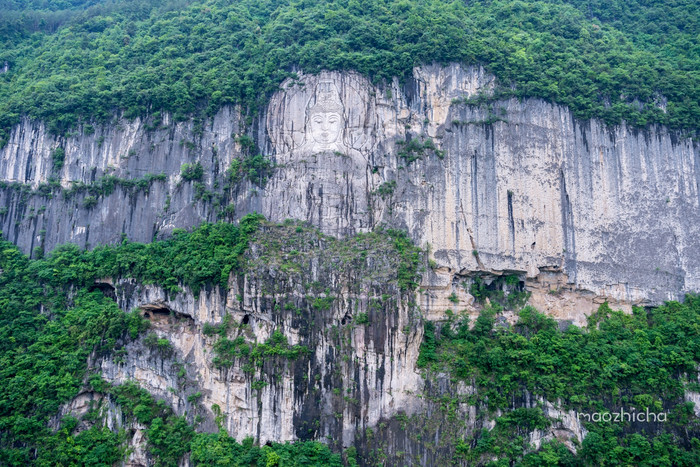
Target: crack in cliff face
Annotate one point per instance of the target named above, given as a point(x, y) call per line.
point(569, 232)
point(475, 250)
point(511, 220)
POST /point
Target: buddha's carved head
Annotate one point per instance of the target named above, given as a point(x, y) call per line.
point(325, 117)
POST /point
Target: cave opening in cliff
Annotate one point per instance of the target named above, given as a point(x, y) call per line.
point(156, 311)
point(107, 290)
point(246, 319)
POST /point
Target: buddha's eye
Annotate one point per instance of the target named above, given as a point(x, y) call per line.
point(318, 119)
point(333, 119)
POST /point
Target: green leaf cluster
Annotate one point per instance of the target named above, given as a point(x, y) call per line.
point(228, 351)
point(204, 256)
point(192, 172)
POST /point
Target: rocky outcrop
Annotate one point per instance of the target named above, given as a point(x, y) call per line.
point(351, 380)
point(110, 180)
point(331, 341)
point(520, 186)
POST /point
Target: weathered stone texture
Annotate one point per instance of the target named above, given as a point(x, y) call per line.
point(523, 186)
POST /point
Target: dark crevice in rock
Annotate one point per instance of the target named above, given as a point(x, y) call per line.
point(106, 288)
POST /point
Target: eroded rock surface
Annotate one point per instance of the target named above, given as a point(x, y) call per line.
point(316, 339)
point(341, 341)
point(506, 186)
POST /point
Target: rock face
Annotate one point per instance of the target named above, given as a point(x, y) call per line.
point(341, 341)
point(332, 343)
point(577, 212)
point(607, 213)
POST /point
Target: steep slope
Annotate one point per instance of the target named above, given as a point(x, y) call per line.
point(504, 185)
point(269, 333)
point(319, 232)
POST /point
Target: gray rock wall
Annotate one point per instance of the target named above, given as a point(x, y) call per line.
point(509, 186)
point(357, 386)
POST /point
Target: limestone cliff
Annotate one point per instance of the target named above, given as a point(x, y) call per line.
point(577, 212)
point(585, 212)
point(316, 339)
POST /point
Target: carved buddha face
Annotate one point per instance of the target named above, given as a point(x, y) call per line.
point(325, 122)
point(325, 127)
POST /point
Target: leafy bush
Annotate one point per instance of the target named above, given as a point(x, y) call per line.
point(254, 168)
point(362, 318)
point(58, 156)
point(89, 202)
point(221, 449)
point(386, 189)
point(206, 255)
point(227, 351)
point(192, 172)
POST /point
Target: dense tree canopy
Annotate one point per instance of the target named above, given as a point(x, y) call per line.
point(644, 360)
point(73, 60)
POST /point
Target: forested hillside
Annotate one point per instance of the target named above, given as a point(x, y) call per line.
point(52, 321)
point(424, 289)
point(82, 61)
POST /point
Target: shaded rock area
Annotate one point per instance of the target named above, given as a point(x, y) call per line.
point(314, 340)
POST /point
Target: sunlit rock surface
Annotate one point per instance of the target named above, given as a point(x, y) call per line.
point(505, 186)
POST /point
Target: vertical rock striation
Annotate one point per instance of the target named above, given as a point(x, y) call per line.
point(522, 186)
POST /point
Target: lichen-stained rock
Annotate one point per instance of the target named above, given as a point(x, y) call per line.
point(316, 339)
point(507, 185)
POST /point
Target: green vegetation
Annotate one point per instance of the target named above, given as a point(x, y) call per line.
point(386, 189)
point(106, 185)
point(221, 449)
point(51, 321)
point(170, 437)
point(79, 61)
point(89, 202)
point(192, 172)
point(58, 157)
point(409, 256)
point(254, 168)
point(155, 343)
point(205, 256)
point(413, 149)
point(504, 291)
point(103, 186)
point(362, 318)
point(45, 342)
point(491, 118)
point(227, 351)
point(383, 256)
point(643, 360)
